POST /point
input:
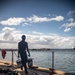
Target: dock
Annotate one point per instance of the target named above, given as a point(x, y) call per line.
point(38, 70)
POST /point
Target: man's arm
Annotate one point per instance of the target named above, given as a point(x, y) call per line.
point(28, 50)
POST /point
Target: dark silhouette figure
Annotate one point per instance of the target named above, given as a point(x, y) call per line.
point(22, 47)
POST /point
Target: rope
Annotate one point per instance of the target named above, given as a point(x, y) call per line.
point(15, 54)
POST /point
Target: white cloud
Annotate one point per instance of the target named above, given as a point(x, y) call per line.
point(67, 29)
point(57, 18)
point(8, 33)
point(50, 41)
point(9, 36)
point(70, 20)
point(26, 21)
point(24, 24)
point(35, 19)
point(70, 13)
point(72, 24)
point(68, 26)
point(11, 39)
point(34, 32)
point(12, 21)
point(8, 29)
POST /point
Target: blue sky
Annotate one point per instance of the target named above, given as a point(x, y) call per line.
point(46, 23)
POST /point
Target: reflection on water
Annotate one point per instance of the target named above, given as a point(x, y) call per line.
point(63, 59)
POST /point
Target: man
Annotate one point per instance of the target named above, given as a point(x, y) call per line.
point(22, 47)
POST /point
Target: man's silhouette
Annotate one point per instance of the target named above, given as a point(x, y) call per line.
point(22, 47)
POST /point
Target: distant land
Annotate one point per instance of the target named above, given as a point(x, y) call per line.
point(41, 49)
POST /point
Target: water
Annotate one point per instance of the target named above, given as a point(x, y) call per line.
point(63, 59)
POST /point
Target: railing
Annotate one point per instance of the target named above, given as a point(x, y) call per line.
point(12, 59)
point(13, 52)
point(53, 57)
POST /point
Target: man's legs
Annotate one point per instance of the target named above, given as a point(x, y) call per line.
point(25, 66)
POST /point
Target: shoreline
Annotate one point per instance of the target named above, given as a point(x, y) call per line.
point(38, 49)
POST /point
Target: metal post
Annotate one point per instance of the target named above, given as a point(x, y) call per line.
point(12, 57)
point(52, 61)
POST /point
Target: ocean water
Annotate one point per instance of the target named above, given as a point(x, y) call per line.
point(63, 59)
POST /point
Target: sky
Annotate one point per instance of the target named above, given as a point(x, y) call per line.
point(46, 23)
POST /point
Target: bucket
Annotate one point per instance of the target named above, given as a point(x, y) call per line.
point(19, 64)
point(30, 62)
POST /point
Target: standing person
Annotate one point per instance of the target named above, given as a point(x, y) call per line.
point(22, 47)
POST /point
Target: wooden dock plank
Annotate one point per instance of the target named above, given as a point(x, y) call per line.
point(58, 72)
point(41, 69)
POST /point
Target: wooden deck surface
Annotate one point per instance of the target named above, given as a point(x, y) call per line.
point(39, 70)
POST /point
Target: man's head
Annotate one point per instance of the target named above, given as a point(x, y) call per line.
point(23, 37)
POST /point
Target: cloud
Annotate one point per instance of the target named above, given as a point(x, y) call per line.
point(49, 41)
point(67, 29)
point(70, 20)
point(9, 38)
point(24, 24)
point(68, 26)
point(27, 21)
point(57, 18)
point(7, 35)
point(70, 13)
point(8, 29)
point(35, 19)
point(12, 21)
point(34, 32)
